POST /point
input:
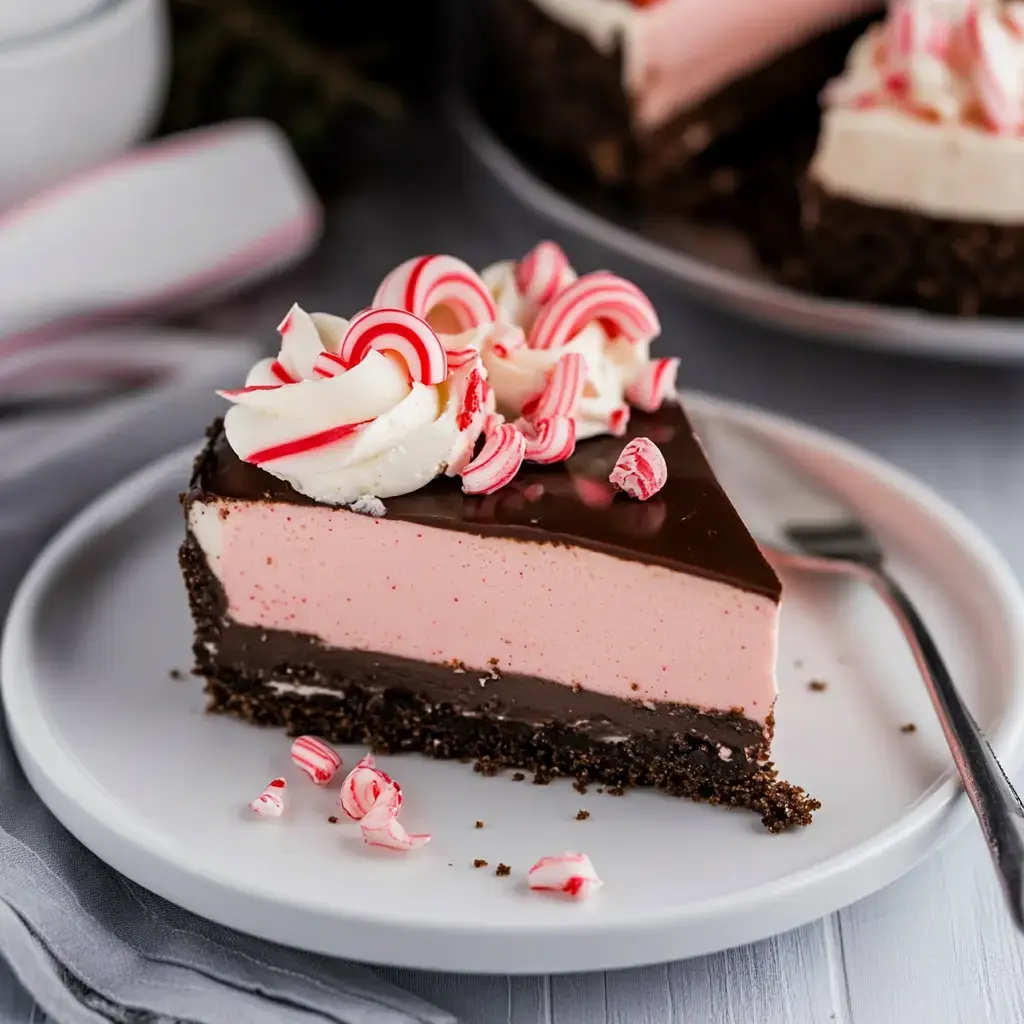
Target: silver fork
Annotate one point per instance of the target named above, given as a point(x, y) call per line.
point(795, 518)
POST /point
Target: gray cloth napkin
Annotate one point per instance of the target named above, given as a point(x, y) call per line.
point(87, 944)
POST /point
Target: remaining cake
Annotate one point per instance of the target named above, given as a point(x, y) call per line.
point(635, 89)
point(915, 195)
point(344, 583)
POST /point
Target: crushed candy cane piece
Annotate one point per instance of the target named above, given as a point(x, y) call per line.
point(543, 272)
point(640, 470)
point(381, 827)
point(562, 392)
point(498, 462)
point(551, 440)
point(316, 759)
point(653, 385)
point(270, 803)
point(569, 873)
point(404, 334)
point(365, 787)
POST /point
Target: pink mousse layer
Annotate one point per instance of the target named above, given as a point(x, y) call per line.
point(679, 52)
point(565, 614)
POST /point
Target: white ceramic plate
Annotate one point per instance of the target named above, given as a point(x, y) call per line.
point(718, 269)
point(126, 759)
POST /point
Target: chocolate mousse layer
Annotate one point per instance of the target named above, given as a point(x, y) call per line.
point(689, 526)
point(291, 680)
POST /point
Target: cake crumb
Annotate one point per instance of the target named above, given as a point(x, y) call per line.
point(478, 863)
point(580, 786)
point(270, 561)
point(176, 673)
point(457, 665)
point(502, 870)
point(493, 662)
point(582, 815)
point(518, 777)
point(333, 819)
point(909, 727)
point(634, 686)
point(479, 824)
point(576, 687)
point(818, 685)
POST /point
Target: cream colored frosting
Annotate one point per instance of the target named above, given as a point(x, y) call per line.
point(676, 53)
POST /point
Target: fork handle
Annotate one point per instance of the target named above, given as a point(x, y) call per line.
point(995, 801)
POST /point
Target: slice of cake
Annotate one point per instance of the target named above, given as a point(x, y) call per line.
point(635, 88)
point(406, 536)
point(915, 195)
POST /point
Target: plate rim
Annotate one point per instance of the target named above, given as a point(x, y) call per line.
point(941, 810)
point(908, 331)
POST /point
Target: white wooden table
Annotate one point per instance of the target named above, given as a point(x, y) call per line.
point(935, 947)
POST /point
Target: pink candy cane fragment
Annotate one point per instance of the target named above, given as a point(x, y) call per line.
point(498, 462)
point(997, 78)
point(381, 827)
point(654, 384)
point(365, 786)
point(316, 759)
point(598, 296)
point(552, 440)
point(542, 273)
point(562, 392)
point(270, 803)
point(406, 335)
point(640, 470)
point(425, 284)
point(570, 873)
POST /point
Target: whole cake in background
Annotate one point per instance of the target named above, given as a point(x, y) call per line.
point(474, 521)
point(915, 195)
point(636, 88)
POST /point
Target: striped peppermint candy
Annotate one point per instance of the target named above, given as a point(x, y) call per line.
point(997, 76)
point(506, 339)
point(640, 470)
point(551, 440)
point(381, 827)
point(569, 873)
point(316, 759)
point(653, 385)
point(562, 391)
point(543, 272)
point(406, 335)
point(364, 786)
point(498, 462)
point(617, 303)
point(425, 284)
point(270, 803)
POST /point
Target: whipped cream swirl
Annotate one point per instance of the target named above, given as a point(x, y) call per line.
point(340, 434)
point(517, 374)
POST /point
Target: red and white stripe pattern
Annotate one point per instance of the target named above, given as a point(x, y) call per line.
point(568, 873)
point(640, 470)
point(653, 385)
point(302, 445)
point(381, 827)
point(498, 462)
point(328, 364)
point(364, 786)
point(471, 394)
point(618, 420)
point(506, 339)
point(270, 803)
point(459, 358)
point(426, 283)
point(405, 334)
point(617, 303)
point(562, 391)
point(551, 440)
point(542, 273)
point(997, 74)
point(316, 759)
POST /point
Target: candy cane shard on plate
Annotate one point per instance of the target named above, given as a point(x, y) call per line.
point(365, 786)
point(640, 470)
point(270, 803)
point(404, 334)
point(551, 440)
point(498, 462)
point(543, 272)
point(568, 873)
point(316, 759)
point(598, 296)
point(562, 391)
point(654, 384)
point(381, 827)
point(426, 284)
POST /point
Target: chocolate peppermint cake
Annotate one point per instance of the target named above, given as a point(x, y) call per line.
point(915, 195)
point(422, 530)
point(634, 90)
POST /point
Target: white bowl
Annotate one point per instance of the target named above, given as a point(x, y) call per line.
point(21, 18)
point(81, 93)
